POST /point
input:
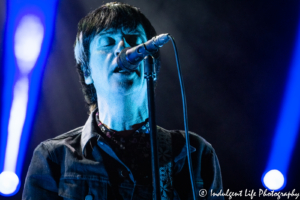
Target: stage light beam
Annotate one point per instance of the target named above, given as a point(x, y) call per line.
point(288, 125)
point(16, 122)
point(28, 35)
point(28, 42)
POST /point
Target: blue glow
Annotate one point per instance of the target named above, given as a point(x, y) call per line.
point(288, 122)
point(23, 69)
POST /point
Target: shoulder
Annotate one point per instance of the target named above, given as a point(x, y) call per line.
point(196, 141)
point(71, 133)
point(55, 146)
point(61, 139)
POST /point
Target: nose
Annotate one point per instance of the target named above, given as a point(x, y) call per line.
point(121, 45)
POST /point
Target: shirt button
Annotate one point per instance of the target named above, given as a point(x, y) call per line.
point(88, 197)
point(124, 173)
point(102, 129)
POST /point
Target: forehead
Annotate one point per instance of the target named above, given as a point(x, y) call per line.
point(139, 30)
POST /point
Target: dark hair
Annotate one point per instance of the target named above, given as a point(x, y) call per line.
point(111, 15)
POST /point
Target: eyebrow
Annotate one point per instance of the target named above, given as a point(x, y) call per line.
point(135, 31)
point(105, 32)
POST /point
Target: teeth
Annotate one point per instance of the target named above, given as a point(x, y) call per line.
point(124, 71)
point(119, 70)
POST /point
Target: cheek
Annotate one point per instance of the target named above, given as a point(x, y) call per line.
point(97, 62)
point(104, 58)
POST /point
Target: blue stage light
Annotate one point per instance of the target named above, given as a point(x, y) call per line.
point(28, 34)
point(288, 123)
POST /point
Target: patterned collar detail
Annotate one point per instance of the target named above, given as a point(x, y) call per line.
point(114, 137)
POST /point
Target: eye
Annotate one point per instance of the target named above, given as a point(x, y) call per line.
point(105, 41)
point(133, 40)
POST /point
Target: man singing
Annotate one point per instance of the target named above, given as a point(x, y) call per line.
point(109, 157)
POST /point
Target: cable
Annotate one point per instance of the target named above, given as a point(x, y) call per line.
point(185, 117)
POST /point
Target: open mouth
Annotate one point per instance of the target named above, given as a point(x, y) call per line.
point(123, 71)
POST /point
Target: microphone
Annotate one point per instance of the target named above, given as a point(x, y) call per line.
point(130, 57)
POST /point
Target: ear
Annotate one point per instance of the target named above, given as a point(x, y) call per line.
point(88, 80)
point(87, 75)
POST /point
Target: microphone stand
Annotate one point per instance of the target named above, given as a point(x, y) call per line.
point(150, 75)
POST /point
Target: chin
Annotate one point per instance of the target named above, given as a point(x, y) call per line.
point(124, 87)
point(128, 87)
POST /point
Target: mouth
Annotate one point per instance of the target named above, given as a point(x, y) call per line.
point(123, 71)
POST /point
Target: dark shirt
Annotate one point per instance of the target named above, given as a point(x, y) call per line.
point(134, 150)
point(81, 164)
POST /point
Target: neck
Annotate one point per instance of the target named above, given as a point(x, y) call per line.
point(122, 112)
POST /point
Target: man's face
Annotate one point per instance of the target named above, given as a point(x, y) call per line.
point(104, 49)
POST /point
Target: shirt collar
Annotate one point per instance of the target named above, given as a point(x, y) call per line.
point(88, 131)
point(183, 153)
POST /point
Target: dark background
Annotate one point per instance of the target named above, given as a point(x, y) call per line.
point(235, 58)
